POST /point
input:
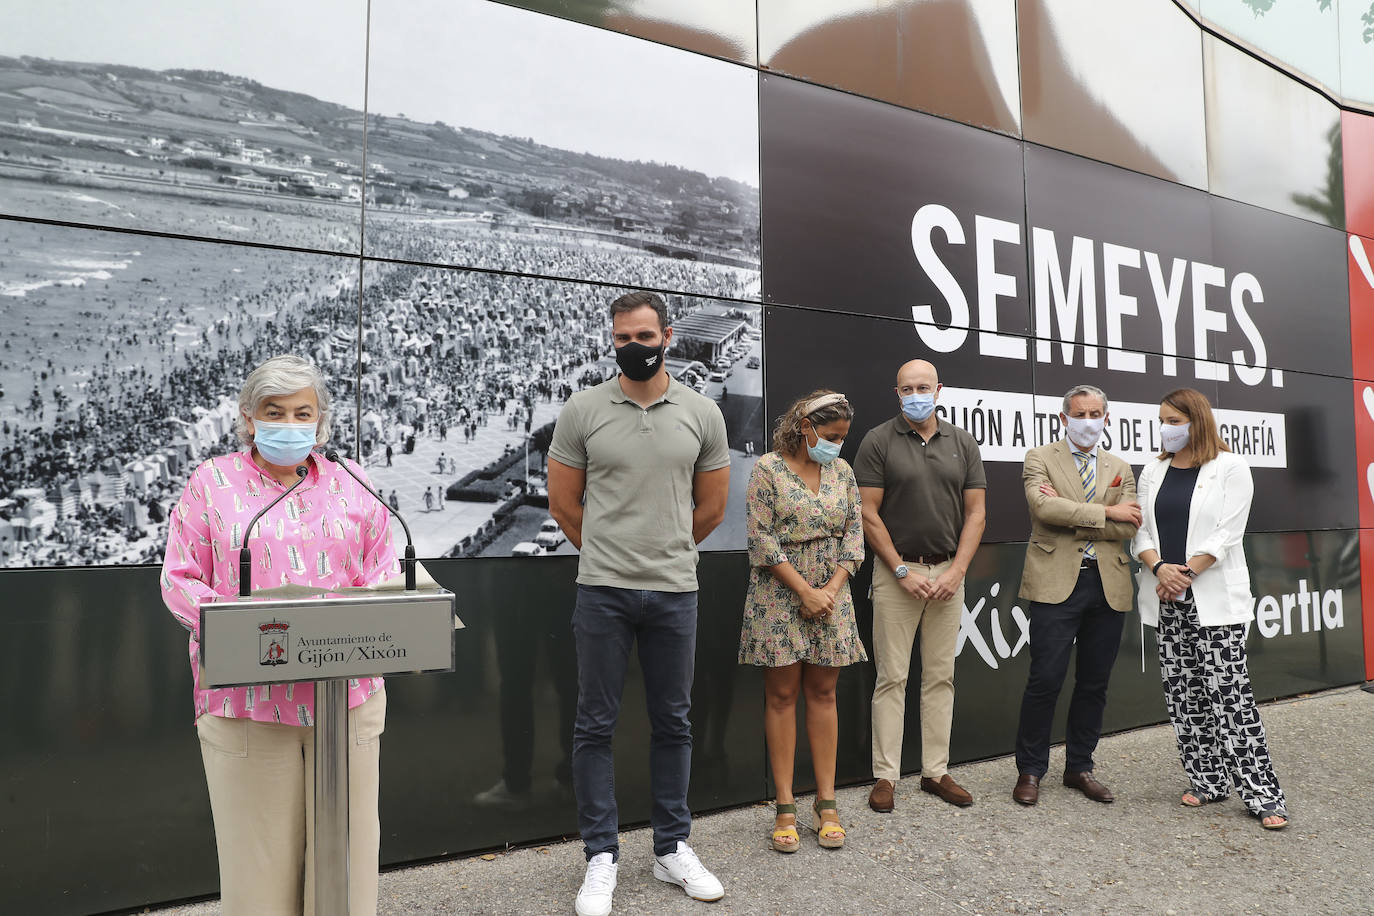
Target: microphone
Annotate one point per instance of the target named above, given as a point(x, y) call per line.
point(245, 556)
point(409, 564)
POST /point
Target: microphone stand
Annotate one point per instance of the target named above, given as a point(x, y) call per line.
point(245, 555)
point(331, 771)
point(409, 564)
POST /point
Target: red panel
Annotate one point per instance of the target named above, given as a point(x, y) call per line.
point(1361, 269)
point(1357, 140)
point(1367, 598)
point(1361, 257)
point(1364, 451)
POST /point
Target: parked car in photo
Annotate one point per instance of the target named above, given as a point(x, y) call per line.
point(718, 376)
point(550, 536)
point(753, 363)
point(527, 549)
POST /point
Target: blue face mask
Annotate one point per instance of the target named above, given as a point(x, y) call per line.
point(824, 451)
point(284, 444)
point(918, 407)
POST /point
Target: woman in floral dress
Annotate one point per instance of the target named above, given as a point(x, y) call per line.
point(805, 541)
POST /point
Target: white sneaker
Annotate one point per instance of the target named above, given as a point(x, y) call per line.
point(684, 869)
point(597, 887)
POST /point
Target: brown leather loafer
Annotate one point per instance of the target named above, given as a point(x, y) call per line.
point(880, 799)
point(1085, 783)
point(1027, 791)
point(948, 789)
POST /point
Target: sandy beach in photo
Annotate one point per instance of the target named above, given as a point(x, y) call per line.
point(121, 352)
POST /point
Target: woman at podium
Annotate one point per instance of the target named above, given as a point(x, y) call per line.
point(257, 743)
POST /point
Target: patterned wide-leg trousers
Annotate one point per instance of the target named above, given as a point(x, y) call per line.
point(1221, 739)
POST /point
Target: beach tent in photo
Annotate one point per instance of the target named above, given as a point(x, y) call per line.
point(19, 531)
point(140, 475)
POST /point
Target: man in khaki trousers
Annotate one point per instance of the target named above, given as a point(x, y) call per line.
point(922, 488)
point(1077, 577)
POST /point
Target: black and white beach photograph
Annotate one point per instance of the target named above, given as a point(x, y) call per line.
point(464, 375)
point(122, 353)
point(117, 381)
point(209, 123)
point(510, 140)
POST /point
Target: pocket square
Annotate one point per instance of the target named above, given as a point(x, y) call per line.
point(1117, 481)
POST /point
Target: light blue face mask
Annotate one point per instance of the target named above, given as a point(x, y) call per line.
point(824, 451)
point(918, 407)
point(284, 444)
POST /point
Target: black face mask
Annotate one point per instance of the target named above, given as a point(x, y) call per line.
point(638, 362)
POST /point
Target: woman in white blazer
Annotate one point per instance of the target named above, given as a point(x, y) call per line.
point(1194, 587)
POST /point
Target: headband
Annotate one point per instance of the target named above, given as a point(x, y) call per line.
point(825, 400)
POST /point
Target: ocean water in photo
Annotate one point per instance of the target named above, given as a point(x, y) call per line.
point(73, 302)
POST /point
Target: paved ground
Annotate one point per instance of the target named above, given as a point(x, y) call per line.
point(1144, 854)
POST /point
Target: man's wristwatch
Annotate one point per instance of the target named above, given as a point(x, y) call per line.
point(901, 572)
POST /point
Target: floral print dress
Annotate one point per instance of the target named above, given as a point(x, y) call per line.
point(814, 532)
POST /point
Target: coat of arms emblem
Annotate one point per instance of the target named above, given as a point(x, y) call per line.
point(274, 643)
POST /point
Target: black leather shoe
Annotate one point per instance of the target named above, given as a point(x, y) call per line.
point(1085, 783)
point(1027, 791)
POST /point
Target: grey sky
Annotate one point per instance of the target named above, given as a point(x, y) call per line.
point(572, 86)
point(468, 63)
point(313, 46)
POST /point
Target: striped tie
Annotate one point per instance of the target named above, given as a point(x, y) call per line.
point(1088, 474)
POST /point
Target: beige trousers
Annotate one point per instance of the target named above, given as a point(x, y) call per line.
point(896, 618)
point(261, 778)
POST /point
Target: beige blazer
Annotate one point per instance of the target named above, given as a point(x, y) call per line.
point(1061, 526)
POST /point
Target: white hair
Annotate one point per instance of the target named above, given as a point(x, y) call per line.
point(1080, 390)
point(278, 376)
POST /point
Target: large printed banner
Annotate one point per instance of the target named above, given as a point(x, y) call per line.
point(1022, 271)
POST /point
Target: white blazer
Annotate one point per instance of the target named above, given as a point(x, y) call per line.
point(1216, 524)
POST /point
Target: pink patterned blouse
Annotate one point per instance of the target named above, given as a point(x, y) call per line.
point(330, 532)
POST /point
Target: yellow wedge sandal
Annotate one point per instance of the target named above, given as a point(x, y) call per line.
point(829, 833)
point(785, 838)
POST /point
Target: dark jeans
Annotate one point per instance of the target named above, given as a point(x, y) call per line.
point(606, 623)
point(1085, 616)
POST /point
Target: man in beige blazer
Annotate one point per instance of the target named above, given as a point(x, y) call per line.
point(1077, 577)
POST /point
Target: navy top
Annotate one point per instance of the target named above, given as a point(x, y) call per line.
point(1173, 504)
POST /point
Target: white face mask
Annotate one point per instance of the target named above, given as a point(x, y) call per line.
point(1085, 431)
point(1174, 438)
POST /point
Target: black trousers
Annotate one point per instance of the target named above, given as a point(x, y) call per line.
point(1085, 617)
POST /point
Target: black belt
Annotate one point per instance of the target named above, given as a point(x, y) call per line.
point(928, 559)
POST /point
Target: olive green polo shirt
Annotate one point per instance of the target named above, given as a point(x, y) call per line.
point(637, 518)
point(923, 483)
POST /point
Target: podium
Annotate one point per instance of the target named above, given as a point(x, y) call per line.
point(327, 637)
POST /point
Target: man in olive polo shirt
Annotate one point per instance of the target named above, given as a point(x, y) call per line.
point(639, 470)
point(922, 488)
